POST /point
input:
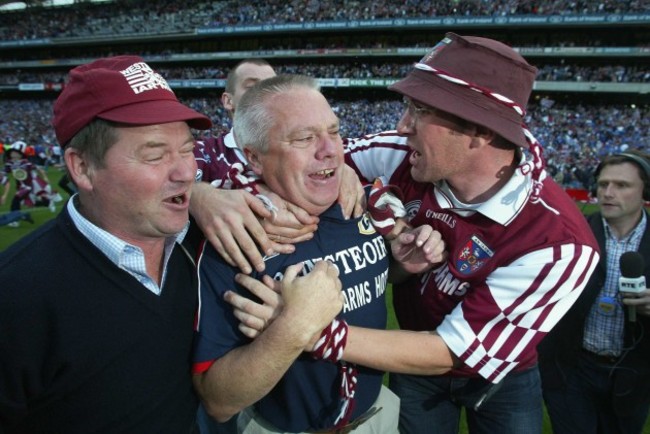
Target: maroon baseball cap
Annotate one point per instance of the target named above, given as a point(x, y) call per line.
point(481, 63)
point(121, 89)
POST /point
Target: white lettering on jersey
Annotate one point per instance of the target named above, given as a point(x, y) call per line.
point(448, 219)
point(447, 283)
point(357, 296)
point(380, 283)
point(354, 258)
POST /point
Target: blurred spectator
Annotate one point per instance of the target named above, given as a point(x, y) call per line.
point(32, 184)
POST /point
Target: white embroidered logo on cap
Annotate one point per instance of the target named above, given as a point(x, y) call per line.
point(141, 78)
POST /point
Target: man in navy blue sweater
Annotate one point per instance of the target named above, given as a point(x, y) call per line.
point(97, 306)
point(290, 137)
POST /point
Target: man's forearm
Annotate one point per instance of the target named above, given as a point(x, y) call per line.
point(228, 386)
point(402, 351)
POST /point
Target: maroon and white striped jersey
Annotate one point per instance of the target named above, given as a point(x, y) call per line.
point(515, 266)
point(215, 156)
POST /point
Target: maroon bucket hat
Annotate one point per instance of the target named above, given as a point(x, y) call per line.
point(477, 79)
point(121, 89)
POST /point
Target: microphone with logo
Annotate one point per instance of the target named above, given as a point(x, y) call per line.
point(632, 280)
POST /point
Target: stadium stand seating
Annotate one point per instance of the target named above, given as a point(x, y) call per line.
point(591, 96)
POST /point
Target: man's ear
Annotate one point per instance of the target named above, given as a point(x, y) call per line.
point(485, 135)
point(254, 161)
point(226, 101)
point(485, 132)
point(80, 171)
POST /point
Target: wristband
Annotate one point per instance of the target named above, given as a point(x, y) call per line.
point(332, 340)
point(330, 347)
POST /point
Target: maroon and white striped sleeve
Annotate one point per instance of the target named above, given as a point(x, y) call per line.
point(375, 155)
point(497, 327)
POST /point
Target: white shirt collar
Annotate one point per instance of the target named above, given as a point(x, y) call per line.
point(503, 207)
point(229, 141)
point(124, 255)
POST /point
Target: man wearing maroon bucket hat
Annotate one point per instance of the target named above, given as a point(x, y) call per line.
point(96, 336)
point(518, 251)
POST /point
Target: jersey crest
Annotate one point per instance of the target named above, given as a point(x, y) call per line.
point(365, 226)
point(473, 255)
point(412, 208)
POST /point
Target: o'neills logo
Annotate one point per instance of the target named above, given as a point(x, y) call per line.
point(141, 78)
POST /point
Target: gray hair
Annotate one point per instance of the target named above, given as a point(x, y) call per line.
point(254, 118)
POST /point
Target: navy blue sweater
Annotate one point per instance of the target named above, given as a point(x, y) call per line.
point(84, 347)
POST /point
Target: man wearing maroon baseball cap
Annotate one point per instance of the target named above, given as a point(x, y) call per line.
point(122, 89)
point(99, 329)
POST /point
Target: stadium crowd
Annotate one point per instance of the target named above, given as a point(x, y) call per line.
point(168, 16)
point(574, 136)
point(362, 70)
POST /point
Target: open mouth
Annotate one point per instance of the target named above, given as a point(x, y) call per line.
point(324, 174)
point(178, 200)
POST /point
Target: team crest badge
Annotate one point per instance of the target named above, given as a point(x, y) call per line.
point(474, 254)
point(365, 226)
point(412, 208)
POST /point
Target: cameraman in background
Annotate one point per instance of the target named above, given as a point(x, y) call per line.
point(595, 364)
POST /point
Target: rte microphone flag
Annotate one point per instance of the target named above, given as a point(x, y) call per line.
point(632, 279)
